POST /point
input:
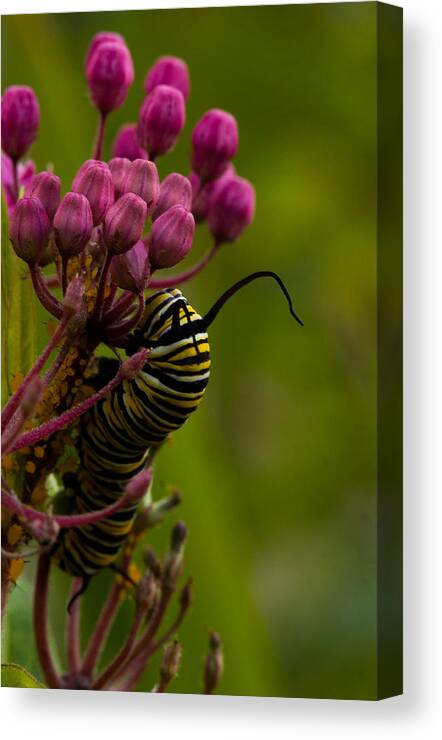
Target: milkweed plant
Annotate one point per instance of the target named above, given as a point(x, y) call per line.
point(106, 246)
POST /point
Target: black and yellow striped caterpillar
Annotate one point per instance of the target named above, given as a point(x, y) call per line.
point(118, 433)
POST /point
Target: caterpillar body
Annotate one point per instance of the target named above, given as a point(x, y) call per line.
point(117, 434)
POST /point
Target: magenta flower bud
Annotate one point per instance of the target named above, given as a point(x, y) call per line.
point(175, 190)
point(161, 120)
point(202, 193)
point(231, 209)
point(126, 143)
point(20, 120)
point(86, 164)
point(119, 167)
point(46, 187)
point(29, 229)
point(142, 179)
point(214, 143)
point(171, 71)
point(73, 224)
point(109, 75)
point(131, 270)
point(124, 223)
point(171, 237)
point(95, 182)
point(102, 37)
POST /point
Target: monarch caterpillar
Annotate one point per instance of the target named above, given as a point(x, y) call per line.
point(117, 434)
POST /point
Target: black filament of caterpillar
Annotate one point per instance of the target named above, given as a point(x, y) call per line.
point(117, 434)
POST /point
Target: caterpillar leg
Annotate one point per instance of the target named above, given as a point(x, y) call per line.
point(81, 590)
point(122, 573)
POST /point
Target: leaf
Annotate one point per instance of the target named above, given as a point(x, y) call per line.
point(16, 677)
point(18, 339)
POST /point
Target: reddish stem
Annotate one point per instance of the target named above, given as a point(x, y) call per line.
point(105, 620)
point(183, 277)
point(73, 630)
point(56, 365)
point(45, 297)
point(52, 281)
point(99, 140)
point(14, 401)
point(41, 622)
point(122, 656)
point(101, 288)
point(137, 660)
point(16, 186)
point(30, 515)
point(120, 307)
point(116, 331)
point(64, 273)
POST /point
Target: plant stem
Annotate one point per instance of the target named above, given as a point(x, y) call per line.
point(101, 288)
point(120, 307)
point(99, 139)
point(64, 273)
point(16, 187)
point(73, 630)
point(137, 660)
point(52, 281)
point(183, 277)
point(30, 515)
point(124, 653)
point(45, 297)
point(41, 622)
point(116, 331)
point(14, 401)
point(56, 365)
point(101, 631)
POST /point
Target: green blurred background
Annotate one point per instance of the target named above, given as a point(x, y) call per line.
point(278, 468)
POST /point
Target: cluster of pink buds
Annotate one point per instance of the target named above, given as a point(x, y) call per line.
point(93, 248)
point(100, 229)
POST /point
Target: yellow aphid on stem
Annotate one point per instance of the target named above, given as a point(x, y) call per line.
point(15, 569)
point(16, 381)
point(15, 531)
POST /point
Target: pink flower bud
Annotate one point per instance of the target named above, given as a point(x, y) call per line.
point(29, 229)
point(46, 187)
point(124, 223)
point(119, 167)
point(175, 190)
point(142, 179)
point(20, 120)
point(73, 224)
point(161, 120)
point(231, 209)
point(109, 75)
point(171, 237)
point(103, 37)
point(168, 71)
point(126, 143)
point(131, 270)
point(214, 143)
point(95, 182)
point(204, 192)
point(170, 662)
